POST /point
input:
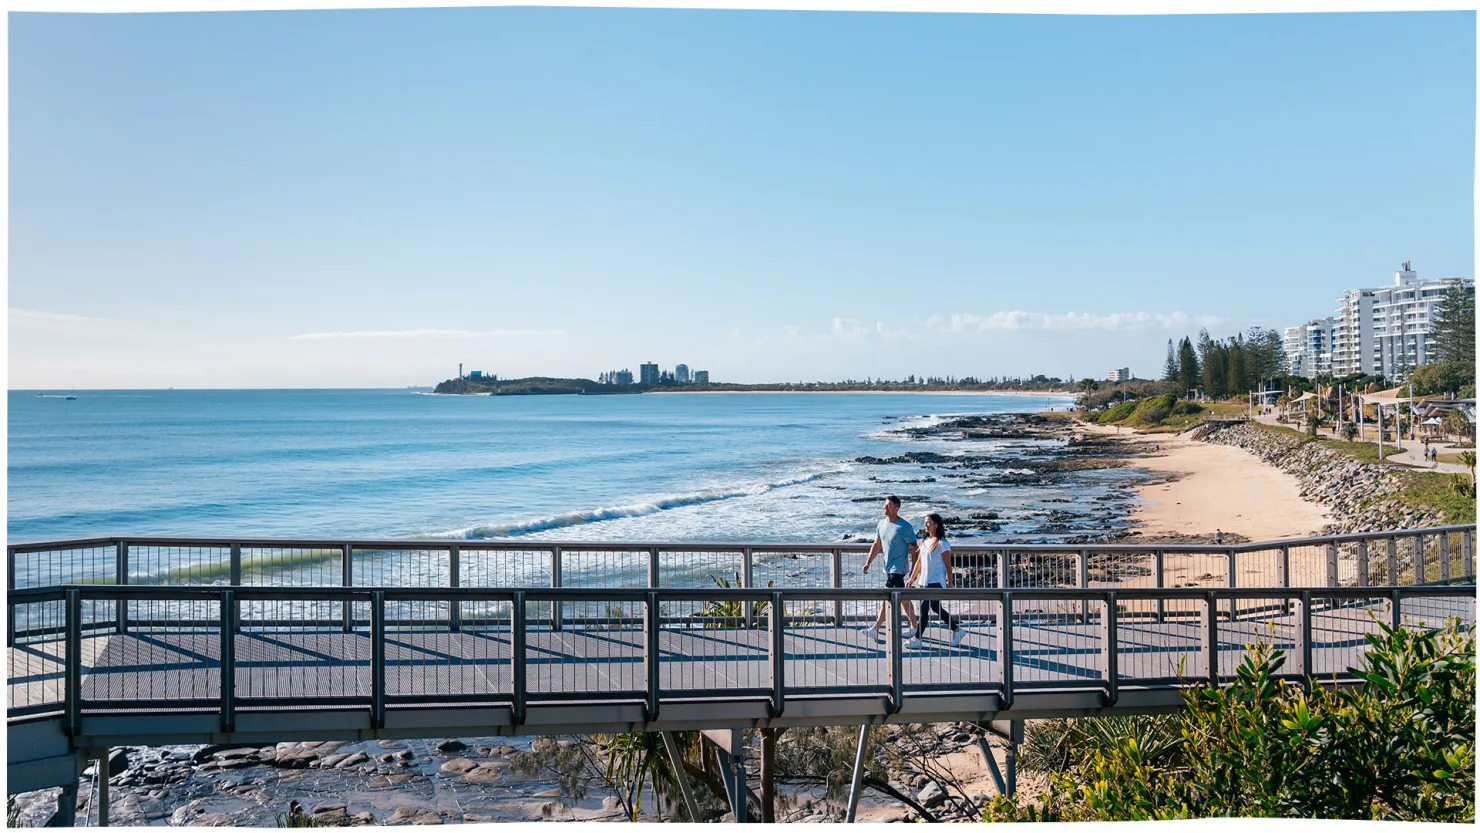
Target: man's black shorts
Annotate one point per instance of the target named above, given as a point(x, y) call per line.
point(894, 580)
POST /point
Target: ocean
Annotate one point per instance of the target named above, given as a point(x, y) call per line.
point(401, 463)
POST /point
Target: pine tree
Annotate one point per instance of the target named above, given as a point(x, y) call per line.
point(1189, 374)
point(1453, 326)
point(1169, 370)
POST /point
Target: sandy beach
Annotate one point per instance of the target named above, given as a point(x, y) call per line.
point(1219, 487)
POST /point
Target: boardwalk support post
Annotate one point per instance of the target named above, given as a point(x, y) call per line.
point(100, 760)
point(518, 623)
point(377, 659)
point(1303, 637)
point(66, 814)
point(675, 758)
point(896, 657)
point(73, 670)
point(777, 623)
point(986, 749)
point(121, 550)
point(228, 661)
point(1004, 649)
point(727, 742)
point(1159, 565)
point(650, 655)
point(1108, 636)
point(1210, 637)
point(858, 761)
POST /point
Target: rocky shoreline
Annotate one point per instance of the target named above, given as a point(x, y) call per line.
point(1361, 496)
point(473, 780)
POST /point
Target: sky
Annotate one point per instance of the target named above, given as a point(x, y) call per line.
point(367, 198)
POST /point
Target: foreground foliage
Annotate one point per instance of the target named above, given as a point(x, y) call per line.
point(1401, 747)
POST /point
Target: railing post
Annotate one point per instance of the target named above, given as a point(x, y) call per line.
point(1282, 566)
point(377, 659)
point(10, 607)
point(228, 661)
point(454, 580)
point(1466, 552)
point(1395, 609)
point(73, 668)
point(777, 623)
point(518, 627)
point(1231, 581)
point(650, 656)
point(1395, 574)
point(1210, 637)
point(347, 579)
point(654, 577)
point(837, 582)
point(120, 550)
point(1332, 578)
point(1083, 584)
point(236, 565)
point(1363, 568)
point(557, 579)
point(1160, 565)
point(1108, 642)
point(1303, 638)
point(1419, 576)
point(747, 570)
point(896, 656)
point(1004, 569)
point(1004, 648)
point(1444, 557)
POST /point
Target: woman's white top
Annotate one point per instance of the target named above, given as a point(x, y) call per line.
point(934, 568)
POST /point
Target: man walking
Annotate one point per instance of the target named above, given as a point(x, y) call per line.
point(896, 539)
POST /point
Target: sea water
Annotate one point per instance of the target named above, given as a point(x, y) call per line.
point(400, 463)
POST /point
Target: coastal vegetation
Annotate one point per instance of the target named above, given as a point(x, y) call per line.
point(1400, 747)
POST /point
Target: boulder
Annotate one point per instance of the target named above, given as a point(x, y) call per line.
point(451, 746)
point(458, 766)
point(931, 795)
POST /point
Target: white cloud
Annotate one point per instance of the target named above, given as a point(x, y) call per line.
point(424, 333)
point(1019, 321)
point(37, 315)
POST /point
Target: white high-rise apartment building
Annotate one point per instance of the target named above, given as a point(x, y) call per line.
point(1120, 374)
point(1308, 348)
point(1387, 330)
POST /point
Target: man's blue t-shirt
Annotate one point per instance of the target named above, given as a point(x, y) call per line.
point(896, 537)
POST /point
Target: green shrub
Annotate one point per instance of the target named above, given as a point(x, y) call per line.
point(1402, 747)
point(1118, 413)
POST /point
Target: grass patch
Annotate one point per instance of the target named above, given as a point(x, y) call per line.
point(1366, 452)
point(1436, 491)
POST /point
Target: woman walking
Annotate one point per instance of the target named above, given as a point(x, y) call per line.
point(934, 564)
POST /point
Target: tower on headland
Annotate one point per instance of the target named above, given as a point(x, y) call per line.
point(459, 370)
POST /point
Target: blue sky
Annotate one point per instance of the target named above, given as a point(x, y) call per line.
point(366, 198)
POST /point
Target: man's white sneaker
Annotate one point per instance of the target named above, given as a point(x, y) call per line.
point(908, 633)
point(913, 643)
point(956, 637)
point(872, 633)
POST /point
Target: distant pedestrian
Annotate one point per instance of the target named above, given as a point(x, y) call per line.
point(934, 564)
point(896, 539)
point(1217, 536)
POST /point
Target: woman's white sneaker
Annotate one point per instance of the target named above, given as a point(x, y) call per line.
point(913, 643)
point(872, 633)
point(956, 637)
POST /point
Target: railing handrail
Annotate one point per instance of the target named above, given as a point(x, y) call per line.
point(467, 544)
point(638, 594)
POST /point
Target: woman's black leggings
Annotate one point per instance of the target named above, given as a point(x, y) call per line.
point(925, 607)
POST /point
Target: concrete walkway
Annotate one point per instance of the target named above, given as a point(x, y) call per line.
point(1411, 454)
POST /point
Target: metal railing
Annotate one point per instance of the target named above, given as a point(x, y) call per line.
point(229, 651)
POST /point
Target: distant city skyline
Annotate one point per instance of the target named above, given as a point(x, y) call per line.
point(357, 198)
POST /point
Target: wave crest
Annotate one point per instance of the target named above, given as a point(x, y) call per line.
point(633, 510)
